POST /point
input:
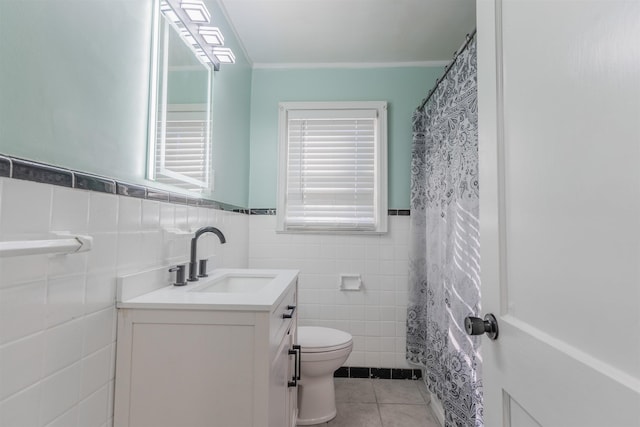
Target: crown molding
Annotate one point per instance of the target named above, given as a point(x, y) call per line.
point(297, 65)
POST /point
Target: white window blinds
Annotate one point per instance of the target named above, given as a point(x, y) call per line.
point(332, 170)
point(182, 156)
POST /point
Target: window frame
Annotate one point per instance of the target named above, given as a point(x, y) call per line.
point(380, 165)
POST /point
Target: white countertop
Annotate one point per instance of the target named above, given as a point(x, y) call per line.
point(172, 297)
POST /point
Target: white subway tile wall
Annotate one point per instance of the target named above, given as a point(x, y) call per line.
point(58, 315)
point(57, 312)
point(376, 314)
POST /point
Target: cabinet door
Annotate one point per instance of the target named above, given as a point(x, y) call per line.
point(279, 390)
point(190, 374)
point(292, 409)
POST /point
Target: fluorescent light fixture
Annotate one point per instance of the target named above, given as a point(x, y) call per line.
point(188, 37)
point(224, 55)
point(212, 35)
point(203, 55)
point(168, 12)
point(205, 58)
point(196, 10)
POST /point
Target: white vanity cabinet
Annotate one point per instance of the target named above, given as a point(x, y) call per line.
point(197, 364)
point(283, 382)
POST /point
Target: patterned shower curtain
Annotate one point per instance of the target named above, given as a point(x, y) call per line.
point(444, 274)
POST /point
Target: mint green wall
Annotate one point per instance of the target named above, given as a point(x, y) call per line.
point(74, 86)
point(187, 87)
point(231, 115)
point(74, 83)
point(403, 89)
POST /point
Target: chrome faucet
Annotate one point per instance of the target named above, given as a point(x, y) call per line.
point(193, 267)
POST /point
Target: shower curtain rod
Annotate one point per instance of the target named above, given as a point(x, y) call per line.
point(448, 67)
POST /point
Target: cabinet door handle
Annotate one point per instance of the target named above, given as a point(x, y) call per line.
point(289, 315)
point(297, 348)
point(295, 378)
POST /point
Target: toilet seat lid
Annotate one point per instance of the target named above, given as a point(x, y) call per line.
point(315, 339)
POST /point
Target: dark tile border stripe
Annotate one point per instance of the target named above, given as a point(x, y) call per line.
point(44, 174)
point(13, 167)
point(131, 190)
point(158, 195)
point(262, 212)
point(94, 183)
point(210, 204)
point(399, 212)
point(378, 373)
point(5, 166)
point(271, 211)
point(177, 198)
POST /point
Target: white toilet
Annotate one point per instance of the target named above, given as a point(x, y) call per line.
point(323, 350)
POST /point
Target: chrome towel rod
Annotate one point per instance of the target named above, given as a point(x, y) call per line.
point(67, 244)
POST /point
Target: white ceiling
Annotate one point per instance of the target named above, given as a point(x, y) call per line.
point(276, 32)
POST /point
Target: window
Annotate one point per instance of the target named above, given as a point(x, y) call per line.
point(332, 167)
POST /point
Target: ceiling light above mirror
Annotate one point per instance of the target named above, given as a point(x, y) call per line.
point(187, 16)
point(224, 55)
point(185, 34)
point(203, 56)
point(168, 12)
point(196, 10)
point(211, 35)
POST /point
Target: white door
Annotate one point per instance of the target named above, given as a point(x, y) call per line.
point(559, 123)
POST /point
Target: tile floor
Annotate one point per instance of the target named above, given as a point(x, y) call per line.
point(381, 403)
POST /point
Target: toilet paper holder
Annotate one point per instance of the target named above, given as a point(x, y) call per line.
point(350, 282)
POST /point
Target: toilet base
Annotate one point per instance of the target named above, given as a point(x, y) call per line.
point(310, 422)
point(317, 401)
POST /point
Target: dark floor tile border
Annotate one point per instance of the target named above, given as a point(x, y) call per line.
point(16, 168)
point(357, 372)
point(341, 372)
point(406, 374)
point(378, 373)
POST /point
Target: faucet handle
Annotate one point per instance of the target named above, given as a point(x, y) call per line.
point(180, 275)
point(202, 268)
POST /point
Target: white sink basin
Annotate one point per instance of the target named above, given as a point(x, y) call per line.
point(224, 289)
point(236, 283)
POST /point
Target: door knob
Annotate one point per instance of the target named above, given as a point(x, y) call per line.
point(477, 326)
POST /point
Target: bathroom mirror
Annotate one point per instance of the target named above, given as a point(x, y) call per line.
point(179, 108)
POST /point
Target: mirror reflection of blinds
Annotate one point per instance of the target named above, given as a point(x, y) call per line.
point(186, 157)
point(331, 170)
